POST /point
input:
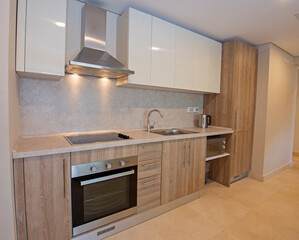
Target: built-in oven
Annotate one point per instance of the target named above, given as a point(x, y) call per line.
point(103, 192)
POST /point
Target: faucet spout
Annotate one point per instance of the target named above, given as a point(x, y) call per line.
point(149, 126)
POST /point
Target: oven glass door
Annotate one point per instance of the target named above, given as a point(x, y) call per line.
point(99, 195)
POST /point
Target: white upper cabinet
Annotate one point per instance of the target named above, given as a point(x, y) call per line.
point(163, 46)
point(208, 64)
point(41, 38)
point(165, 55)
point(134, 45)
point(197, 62)
point(185, 59)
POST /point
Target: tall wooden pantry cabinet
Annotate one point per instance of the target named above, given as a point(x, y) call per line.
point(234, 107)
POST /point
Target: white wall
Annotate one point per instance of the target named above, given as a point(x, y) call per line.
point(275, 112)
point(260, 110)
point(296, 134)
point(9, 111)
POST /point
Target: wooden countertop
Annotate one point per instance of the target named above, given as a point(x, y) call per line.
point(55, 144)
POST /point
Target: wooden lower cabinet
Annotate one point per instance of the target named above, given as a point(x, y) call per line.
point(149, 176)
point(149, 190)
point(183, 168)
point(43, 197)
point(241, 153)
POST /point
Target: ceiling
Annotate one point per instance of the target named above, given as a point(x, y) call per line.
point(255, 21)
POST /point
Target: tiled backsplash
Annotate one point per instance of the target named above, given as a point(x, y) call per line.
point(87, 104)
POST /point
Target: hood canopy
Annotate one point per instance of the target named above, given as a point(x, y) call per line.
point(93, 60)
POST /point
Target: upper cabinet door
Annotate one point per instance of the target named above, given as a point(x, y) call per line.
point(185, 59)
point(165, 55)
point(162, 61)
point(197, 62)
point(139, 56)
point(43, 46)
point(208, 64)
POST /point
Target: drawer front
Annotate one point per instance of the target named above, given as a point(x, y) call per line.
point(148, 195)
point(149, 151)
point(96, 155)
point(149, 168)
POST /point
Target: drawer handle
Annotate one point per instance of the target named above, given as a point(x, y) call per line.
point(154, 147)
point(146, 165)
point(150, 182)
point(236, 120)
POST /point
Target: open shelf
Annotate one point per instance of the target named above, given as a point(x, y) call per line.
point(217, 156)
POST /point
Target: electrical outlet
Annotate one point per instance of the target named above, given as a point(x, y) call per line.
point(190, 109)
point(196, 109)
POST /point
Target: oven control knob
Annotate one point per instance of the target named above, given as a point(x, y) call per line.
point(122, 163)
point(93, 169)
point(108, 165)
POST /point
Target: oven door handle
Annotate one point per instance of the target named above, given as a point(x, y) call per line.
point(101, 179)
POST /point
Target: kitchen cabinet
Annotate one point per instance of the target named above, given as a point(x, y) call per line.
point(162, 59)
point(149, 176)
point(183, 168)
point(242, 153)
point(41, 38)
point(134, 45)
point(164, 55)
point(234, 107)
point(197, 62)
point(43, 198)
point(185, 59)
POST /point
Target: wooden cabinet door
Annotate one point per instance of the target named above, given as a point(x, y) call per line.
point(183, 168)
point(242, 151)
point(196, 161)
point(174, 163)
point(48, 197)
point(245, 85)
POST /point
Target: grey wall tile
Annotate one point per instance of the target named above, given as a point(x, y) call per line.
point(87, 104)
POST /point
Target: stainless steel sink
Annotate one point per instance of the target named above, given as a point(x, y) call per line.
point(94, 138)
point(173, 131)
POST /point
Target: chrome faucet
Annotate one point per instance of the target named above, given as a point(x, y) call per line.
point(149, 126)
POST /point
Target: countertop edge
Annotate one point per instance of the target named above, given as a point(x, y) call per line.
point(70, 149)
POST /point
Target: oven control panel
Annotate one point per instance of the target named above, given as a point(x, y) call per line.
point(102, 166)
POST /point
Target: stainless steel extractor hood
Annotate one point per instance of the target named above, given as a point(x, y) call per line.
point(93, 60)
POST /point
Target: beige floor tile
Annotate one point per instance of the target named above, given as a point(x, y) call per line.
point(248, 210)
point(224, 235)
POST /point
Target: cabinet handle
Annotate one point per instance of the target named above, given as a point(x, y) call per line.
point(189, 153)
point(147, 165)
point(64, 176)
point(150, 182)
point(185, 154)
point(236, 120)
point(235, 144)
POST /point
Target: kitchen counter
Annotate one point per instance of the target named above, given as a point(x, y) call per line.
point(55, 144)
